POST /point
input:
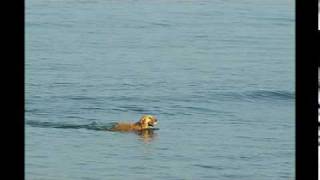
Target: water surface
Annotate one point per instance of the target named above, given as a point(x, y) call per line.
point(219, 76)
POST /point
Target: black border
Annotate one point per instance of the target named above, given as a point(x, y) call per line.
point(306, 90)
point(12, 120)
point(307, 38)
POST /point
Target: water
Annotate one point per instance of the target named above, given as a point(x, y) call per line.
point(218, 75)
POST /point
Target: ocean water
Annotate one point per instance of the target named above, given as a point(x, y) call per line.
point(218, 75)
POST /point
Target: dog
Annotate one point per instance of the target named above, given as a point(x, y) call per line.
point(146, 122)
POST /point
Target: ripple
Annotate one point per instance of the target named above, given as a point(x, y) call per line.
point(208, 166)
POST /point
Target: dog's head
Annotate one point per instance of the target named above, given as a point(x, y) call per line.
point(148, 121)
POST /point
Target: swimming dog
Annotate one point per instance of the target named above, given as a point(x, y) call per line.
point(145, 122)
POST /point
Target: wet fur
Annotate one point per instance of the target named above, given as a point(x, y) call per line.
point(124, 126)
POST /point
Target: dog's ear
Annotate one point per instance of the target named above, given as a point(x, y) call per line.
point(143, 119)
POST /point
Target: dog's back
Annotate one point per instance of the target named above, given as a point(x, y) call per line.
point(126, 127)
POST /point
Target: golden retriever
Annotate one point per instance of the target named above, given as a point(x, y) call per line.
point(145, 122)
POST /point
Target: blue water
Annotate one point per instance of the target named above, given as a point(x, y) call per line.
point(218, 75)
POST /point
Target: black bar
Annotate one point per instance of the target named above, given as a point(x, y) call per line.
point(12, 124)
point(306, 90)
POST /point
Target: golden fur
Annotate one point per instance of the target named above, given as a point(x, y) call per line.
point(145, 122)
